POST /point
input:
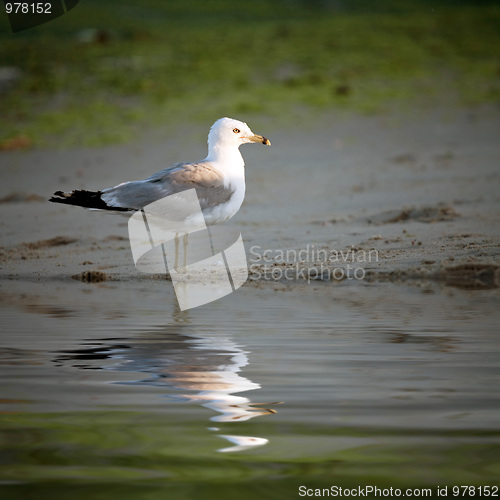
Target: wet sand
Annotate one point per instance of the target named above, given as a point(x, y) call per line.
point(403, 196)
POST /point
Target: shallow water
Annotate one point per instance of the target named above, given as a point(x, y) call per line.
point(107, 389)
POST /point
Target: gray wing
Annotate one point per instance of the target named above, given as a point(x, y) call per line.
point(207, 180)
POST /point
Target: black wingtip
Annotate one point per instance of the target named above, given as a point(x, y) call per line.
point(57, 200)
point(85, 199)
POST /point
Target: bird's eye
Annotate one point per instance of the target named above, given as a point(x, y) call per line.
point(236, 130)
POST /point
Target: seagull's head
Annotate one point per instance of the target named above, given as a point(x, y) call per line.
point(227, 132)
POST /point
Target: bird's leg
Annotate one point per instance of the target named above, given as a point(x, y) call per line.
point(176, 260)
point(211, 241)
point(185, 245)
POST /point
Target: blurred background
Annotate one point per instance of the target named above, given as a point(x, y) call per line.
point(108, 72)
point(384, 120)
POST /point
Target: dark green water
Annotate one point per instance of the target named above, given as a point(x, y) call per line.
point(109, 392)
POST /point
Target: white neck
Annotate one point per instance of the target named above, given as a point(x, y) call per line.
point(228, 159)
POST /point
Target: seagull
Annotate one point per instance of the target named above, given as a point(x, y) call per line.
point(219, 179)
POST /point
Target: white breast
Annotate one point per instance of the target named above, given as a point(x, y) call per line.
point(224, 211)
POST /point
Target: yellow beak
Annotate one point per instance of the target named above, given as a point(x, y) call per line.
point(259, 138)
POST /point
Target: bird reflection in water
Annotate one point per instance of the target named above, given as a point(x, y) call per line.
point(208, 367)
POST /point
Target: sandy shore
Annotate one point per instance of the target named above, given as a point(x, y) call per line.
point(411, 195)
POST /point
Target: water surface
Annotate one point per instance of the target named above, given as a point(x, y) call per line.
point(107, 389)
